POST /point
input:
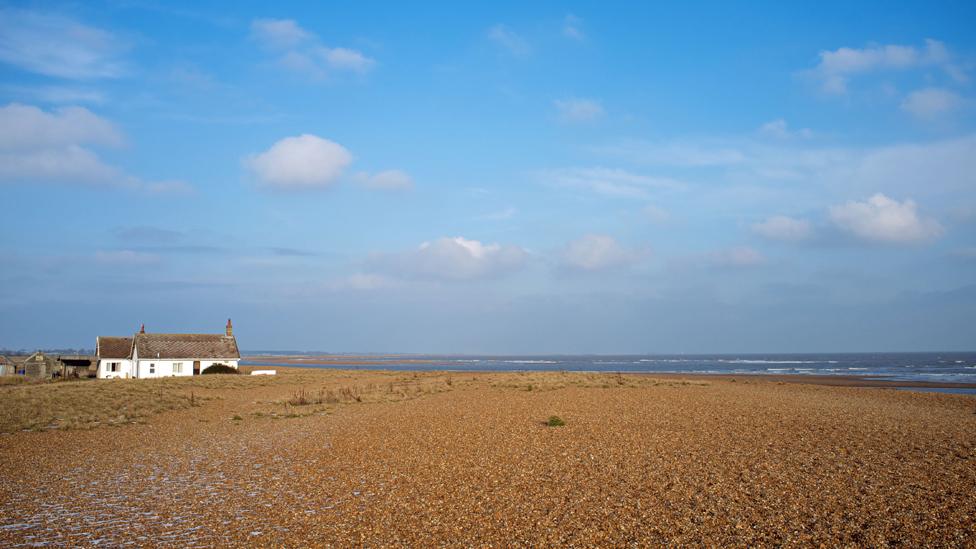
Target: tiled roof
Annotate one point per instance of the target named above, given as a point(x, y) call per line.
point(206, 346)
point(114, 347)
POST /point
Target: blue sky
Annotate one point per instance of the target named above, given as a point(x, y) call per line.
point(563, 177)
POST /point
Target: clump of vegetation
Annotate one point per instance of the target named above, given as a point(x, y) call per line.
point(18, 380)
point(45, 406)
point(302, 397)
point(555, 421)
point(220, 369)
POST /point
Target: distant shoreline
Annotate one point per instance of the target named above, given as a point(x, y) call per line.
point(384, 363)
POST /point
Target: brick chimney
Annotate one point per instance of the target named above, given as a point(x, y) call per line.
point(142, 329)
point(230, 328)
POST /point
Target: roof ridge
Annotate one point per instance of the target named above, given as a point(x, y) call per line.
point(174, 334)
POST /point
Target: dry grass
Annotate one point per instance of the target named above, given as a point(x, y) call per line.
point(18, 380)
point(86, 405)
point(393, 391)
point(31, 405)
point(550, 381)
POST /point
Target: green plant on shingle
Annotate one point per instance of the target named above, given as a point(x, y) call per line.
point(555, 421)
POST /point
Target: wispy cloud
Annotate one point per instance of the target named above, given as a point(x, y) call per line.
point(573, 27)
point(931, 103)
point(609, 181)
point(280, 33)
point(578, 110)
point(779, 129)
point(596, 252)
point(54, 45)
point(148, 234)
point(302, 51)
point(56, 146)
point(927, 166)
point(781, 227)
point(58, 95)
point(837, 67)
point(28, 127)
point(500, 215)
point(388, 180)
point(655, 214)
point(508, 39)
point(681, 153)
point(456, 258)
point(125, 257)
point(736, 257)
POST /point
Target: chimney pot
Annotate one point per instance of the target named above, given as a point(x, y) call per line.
point(230, 328)
point(142, 329)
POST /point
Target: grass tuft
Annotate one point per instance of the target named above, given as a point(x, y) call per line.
point(555, 421)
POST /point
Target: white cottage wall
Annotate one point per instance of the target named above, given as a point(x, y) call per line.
point(124, 369)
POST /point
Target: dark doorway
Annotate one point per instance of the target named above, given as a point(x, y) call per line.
point(196, 367)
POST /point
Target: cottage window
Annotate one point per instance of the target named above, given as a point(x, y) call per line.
point(177, 367)
point(114, 366)
point(152, 367)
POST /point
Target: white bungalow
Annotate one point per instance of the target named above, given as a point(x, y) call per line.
point(163, 355)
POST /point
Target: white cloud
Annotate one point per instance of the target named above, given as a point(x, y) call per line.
point(836, 67)
point(303, 162)
point(455, 258)
point(609, 181)
point(301, 51)
point(742, 256)
point(781, 227)
point(883, 219)
point(53, 146)
point(573, 27)
point(509, 39)
point(53, 45)
point(576, 110)
point(389, 180)
point(930, 103)
point(778, 129)
point(595, 252)
point(279, 33)
point(28, 127)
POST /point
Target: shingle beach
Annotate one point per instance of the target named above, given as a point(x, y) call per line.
point(467, 459)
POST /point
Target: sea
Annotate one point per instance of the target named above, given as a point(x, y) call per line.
point(907, 367)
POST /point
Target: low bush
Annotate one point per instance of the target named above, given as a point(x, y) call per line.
point(220, 369)
point(555, 421)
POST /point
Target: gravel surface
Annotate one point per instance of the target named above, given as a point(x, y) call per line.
point(467, 459)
